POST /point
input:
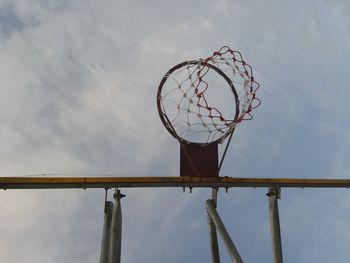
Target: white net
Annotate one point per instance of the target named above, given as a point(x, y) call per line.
point(202, 101)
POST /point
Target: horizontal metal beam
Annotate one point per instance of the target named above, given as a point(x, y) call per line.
point(129, 182)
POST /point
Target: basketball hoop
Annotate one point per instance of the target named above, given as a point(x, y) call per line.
point(200, 102)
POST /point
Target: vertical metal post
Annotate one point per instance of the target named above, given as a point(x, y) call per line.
point(116, 230)
point(233, 252)
point(106, 232)
point(215, 255)
point(274, 194)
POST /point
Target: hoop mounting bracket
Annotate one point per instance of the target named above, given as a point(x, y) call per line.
point(198, 160)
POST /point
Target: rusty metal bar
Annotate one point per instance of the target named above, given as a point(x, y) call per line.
point(213, 238)
point(274, 194)
point(104, 258)
point(231, 248)
point(116, 230)
point(130, 182)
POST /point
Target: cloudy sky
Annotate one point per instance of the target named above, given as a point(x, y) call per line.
point(78, 83)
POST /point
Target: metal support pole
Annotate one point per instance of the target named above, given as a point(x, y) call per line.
point(116, 230)
point(233, 252)
point(274, 194)
point(215, 255)
point(106, 231)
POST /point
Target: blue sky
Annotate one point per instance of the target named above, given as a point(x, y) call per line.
point(78, 95)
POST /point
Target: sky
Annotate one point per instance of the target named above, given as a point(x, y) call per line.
point(78, 84)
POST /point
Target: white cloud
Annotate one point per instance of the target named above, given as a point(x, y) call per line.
point(78, 87)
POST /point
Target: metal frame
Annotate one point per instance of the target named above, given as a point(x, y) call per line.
point(112, 230)
point(111, 239)
point(274, 194)
point(106, 234)
point(213, 239)
point(132, 182)
point(232, 250)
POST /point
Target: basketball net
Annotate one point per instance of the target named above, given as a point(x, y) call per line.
point(201, 102)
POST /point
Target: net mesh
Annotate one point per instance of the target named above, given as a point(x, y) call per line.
point(203, 101)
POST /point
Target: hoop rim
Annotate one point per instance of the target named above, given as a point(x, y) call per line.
point(167, 124)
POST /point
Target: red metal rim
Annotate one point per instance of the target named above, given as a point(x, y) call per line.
point(162, 114)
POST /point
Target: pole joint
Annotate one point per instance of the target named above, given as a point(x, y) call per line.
point(274, 191)
point(118, 195)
